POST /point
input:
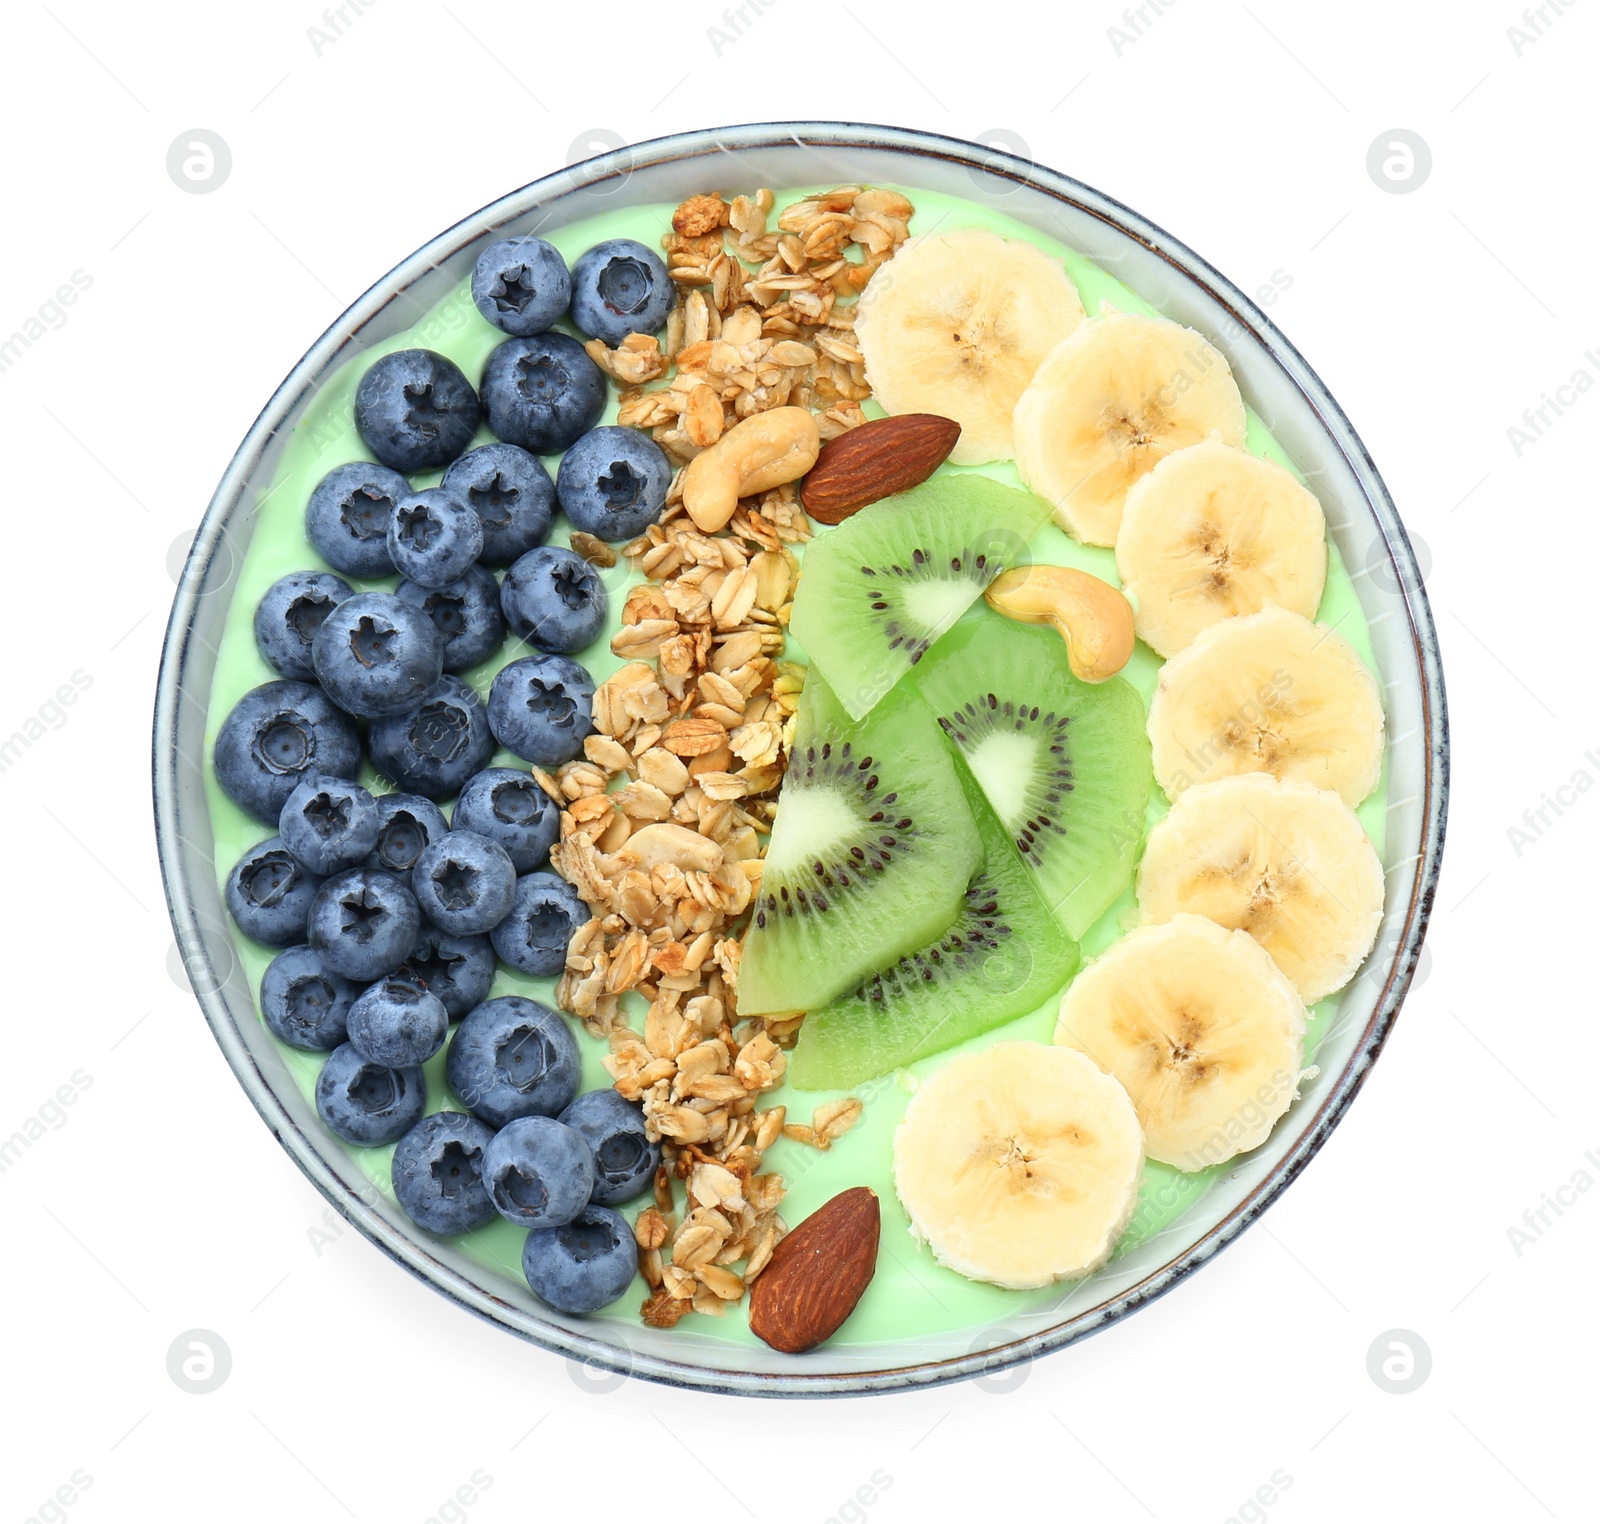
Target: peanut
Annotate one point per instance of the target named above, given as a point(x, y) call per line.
point(758, 453)
point(1093, 617)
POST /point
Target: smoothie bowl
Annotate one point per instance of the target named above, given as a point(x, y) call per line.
point(801, 760)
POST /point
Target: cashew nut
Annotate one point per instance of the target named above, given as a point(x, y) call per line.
point(1093, 617)
point(664, 842)
point(758, 453)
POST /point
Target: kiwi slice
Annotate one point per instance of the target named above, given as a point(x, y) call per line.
point(876, 592)
point(871, 849)
point(1064, 763)
point(1004, 956)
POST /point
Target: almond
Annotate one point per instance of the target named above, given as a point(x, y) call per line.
point(875, 460)
point(817, 1274)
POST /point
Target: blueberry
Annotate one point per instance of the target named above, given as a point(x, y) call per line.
point(330, 824)
point(363, 923)
point(507, 806)
point(539, 1174)
point(415, 410)
point(376, 655)
point(513, 1057)
point(406, 824)
point(304, 1002)
point(290, 613)
point(464, 883)
point(625, 1159)
point(613, 481)
point(273, 737)
point(437, 1171)
point(434, 537)
point(348, 517)
point(365, 1103)
point(512, 493)
point(542, 393)
point(533, 936)
point(521, 285)
point(466, 613)
point(459, 970)
point(620, 287)
point(554, 599)
point(270, 895)
point(585, 1265)
point(397, 1023)
point(435, 747)
point(541, 708)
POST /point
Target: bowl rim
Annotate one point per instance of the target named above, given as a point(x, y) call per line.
point(412, 1253)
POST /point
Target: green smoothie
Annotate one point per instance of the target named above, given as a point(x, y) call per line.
point(910, 1296)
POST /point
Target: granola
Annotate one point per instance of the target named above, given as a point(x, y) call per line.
point(765, 318)
point(663, 821)
point(661, 833)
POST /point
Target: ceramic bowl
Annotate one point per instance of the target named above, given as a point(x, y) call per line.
point(1275, 380)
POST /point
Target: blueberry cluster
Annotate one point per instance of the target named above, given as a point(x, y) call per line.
point(392, 916)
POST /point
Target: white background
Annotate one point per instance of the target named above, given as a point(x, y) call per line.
point(164, 1205)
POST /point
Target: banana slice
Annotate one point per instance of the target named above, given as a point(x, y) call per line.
point(1201, 1027)
point(1108, 404)
point(1212, 532)
point(1281, 860)
point(1268, 693)
point(956, 324)
point(1019, 1164)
